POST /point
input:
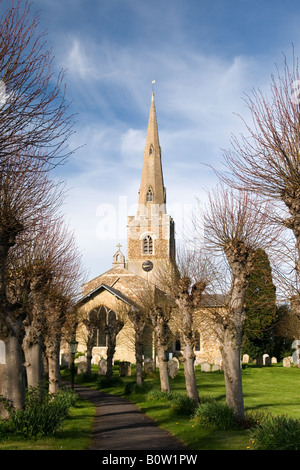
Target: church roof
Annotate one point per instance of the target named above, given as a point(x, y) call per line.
point(110, 289)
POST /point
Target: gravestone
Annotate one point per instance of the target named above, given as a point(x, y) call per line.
point(259, 361)
point(173, 367)
point(102, 367)
point(205, 367)
point(245, 358)
point(216, 367)
point(82, 367)
point(2, 353)
point(65, 360)
point(274, 360)
point(287, 361)
point(125, 369)
point(266, 360)
point(149, 366)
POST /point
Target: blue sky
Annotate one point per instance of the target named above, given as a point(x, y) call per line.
point(202, 54)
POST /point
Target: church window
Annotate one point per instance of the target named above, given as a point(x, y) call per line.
point(151, 150)
point(148, 245)
point(149, 195)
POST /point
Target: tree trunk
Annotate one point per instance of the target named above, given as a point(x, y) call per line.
point(163, 368)
point(139, 358)
point(34, 364)
point(231, 355)
point(15, 371)
point(54, 372)
point(189, 371)
point(32, 347)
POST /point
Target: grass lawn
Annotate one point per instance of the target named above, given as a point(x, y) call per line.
point(274, 389)
point(75, 435)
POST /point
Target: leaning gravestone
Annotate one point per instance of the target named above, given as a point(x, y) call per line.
point(102, 367)
point(205, 367)
point(125, 369)
point(173, 367)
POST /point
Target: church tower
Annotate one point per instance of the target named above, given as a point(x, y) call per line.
point(150, 235)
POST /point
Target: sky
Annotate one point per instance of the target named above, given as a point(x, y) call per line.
point(204, 55)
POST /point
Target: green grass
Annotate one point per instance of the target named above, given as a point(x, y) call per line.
point(270, 389)
point(75, 435)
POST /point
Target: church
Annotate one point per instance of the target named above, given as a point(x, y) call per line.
point(150, 245)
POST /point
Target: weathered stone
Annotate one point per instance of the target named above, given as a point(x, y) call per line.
point(205, 367)
point(102, 367)
point(149, 366)
point(245, 358)
point(125, 369)
point(82, 367)
point(259, 361)
point(274, 360)
point(216, 367)
point(266, 360)
point(173, 367)
point(287, 361)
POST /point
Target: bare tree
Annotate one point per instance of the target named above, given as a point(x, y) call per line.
point(139, 320)
point(236, 225)
point(33, 113)
point(185, 284)
point(266, 160)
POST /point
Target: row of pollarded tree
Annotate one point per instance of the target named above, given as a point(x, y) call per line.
point(256, 207)
point(38, 257)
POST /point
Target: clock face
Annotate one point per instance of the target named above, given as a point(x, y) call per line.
point(147, 265)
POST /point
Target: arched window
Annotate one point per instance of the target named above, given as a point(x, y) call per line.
point(149, 197)
point(148, 245)
point(151, 150)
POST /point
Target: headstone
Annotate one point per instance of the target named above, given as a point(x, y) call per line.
point(245, 358)
point(82, 367)
point(149, 366)
point(125, 369)
point(2, 353)
point(173, 367)
point(259, 361)
point(274, 360)
point(65, 360)
point(205, 367)
point(102, 367)
point(287, 361)
point(266, 360)
point(216, 367)
point(296, 354)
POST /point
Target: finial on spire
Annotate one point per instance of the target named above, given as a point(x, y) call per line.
point(153, 81)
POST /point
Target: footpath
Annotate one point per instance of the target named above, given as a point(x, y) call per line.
point(120, 425)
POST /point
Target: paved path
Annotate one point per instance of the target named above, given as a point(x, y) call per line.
point(120, 425)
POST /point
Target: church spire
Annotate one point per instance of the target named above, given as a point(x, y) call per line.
point(152, 189)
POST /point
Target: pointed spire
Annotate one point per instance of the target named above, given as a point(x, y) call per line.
point(152, 189)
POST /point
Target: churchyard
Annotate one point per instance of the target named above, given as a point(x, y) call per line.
point(267, 389)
